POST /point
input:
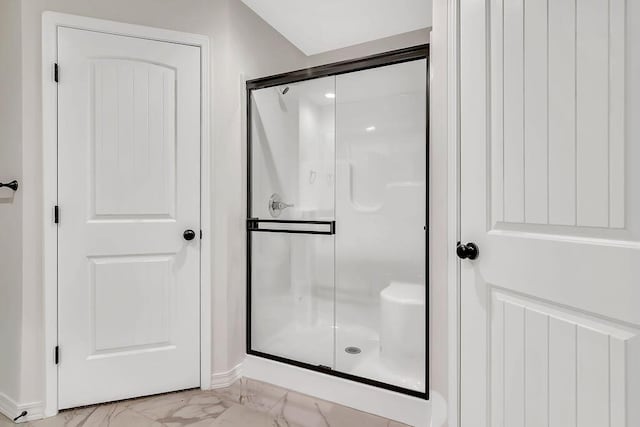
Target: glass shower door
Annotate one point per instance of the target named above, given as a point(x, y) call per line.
point(291, 222)
point(381, 210)
point(351, 150)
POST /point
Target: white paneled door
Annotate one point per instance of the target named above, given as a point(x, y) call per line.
point(128, 189)
point(550, 193)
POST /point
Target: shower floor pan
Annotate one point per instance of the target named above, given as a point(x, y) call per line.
point(304, 343)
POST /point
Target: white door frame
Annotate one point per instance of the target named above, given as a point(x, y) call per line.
point(453, 199)
point(51, 21)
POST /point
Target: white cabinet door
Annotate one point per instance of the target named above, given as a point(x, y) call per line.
point(550, 192)
point(129, 186)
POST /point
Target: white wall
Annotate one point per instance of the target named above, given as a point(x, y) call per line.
point(10, 203)
point(380, 183)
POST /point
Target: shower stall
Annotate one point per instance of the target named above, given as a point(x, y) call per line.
point(337, 261)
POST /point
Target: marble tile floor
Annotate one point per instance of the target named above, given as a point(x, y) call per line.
point(246, 403)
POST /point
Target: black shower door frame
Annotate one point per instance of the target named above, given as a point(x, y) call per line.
point(252, 224)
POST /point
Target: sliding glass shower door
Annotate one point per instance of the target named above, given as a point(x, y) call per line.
point(381, 158)
point(337, 221)
point(291, 221)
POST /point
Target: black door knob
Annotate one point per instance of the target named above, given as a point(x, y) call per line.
point(189, 235)
point(467, 251)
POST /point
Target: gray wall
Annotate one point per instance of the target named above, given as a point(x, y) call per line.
point(386, 44)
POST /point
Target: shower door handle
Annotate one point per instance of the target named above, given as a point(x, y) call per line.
point(291, 226)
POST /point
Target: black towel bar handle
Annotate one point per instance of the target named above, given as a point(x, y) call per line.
point(12, 185)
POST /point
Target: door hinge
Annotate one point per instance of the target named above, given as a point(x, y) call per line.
point(56, 355)
point(56, 215)
point(56, 73)
point(200, 234)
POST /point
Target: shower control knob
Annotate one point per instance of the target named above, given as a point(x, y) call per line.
point(467, 251)
point(189, 235)
point(276, 205)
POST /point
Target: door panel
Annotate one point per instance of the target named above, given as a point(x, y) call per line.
point(553, 363)
point(291, 226)
point(381, 285)
point(549, 311)
point(129, 185)
point(559, 153)
point(122, 322)
point(134, 128)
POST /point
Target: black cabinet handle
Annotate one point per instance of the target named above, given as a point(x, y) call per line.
point(12, 185)
point(189, 235)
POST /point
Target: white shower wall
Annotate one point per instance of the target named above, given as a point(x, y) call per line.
point(380, 187)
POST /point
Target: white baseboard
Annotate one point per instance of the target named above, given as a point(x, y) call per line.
point(225, 379)
point(11, 409)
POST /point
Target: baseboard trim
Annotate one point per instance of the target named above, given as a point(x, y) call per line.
point(11, 409)
point(225, 379)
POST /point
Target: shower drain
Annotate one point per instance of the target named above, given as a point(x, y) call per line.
point(353, 350)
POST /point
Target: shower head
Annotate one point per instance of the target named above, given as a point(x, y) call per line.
point(284, 90)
